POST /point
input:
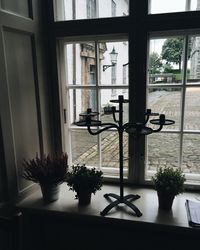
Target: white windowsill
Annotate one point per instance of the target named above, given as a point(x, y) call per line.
point(67, 206)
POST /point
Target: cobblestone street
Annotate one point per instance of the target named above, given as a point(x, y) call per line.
point(163, 148)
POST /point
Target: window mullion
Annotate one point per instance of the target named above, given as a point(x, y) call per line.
point(98, 97)
point(185, 56)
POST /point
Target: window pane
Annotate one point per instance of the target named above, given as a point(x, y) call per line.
point(193, 76)
point(87, 9)
point(165, 101)
point(110, 151)
point(163, 6)
point(112, 94)
point(80, 64)
point(162, 151)
point(19, 7)
point(113, 61)
point(192, 109)
point(84, 148)
point(191, 154)
point(80, 100)
point(165, 60)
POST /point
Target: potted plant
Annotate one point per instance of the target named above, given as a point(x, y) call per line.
point(49, 171)
point(84, 181)
point(107, 109)
point(168, 182)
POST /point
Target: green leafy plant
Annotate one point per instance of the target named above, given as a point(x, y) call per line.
point(169, 181)
point(82, 178)
point(50, 169)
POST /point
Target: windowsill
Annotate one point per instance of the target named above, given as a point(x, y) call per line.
point(152, 217)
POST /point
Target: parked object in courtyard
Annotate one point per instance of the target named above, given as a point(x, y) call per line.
point(84, 181)
point(168, 182)
point(49, 171)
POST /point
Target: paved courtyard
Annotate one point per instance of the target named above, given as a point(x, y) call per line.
point(163, 148)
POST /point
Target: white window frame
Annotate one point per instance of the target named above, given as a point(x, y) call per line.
point(182, 86)
point(109, 173)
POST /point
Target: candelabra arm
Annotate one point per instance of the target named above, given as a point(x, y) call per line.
point(114, 116)
point(101, 130)
point(158, 130)
point(146, 120)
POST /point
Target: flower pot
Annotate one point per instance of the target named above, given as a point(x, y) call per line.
point(165, 201)
point(107, 110)
point(50, 192)
point(84, 197)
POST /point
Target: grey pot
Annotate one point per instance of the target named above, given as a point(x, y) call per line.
point(50, 192)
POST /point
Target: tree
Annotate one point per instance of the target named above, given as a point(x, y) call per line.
point(155, 63)
point(172, 50)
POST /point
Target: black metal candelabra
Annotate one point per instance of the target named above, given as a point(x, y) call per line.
point(89, 119)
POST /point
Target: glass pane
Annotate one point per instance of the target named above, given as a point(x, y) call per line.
point(192, 109)
point(80, 100)
point(112, 94)
point(88, 9)
point(84, 148)
point(19, 7)
point(110, 150)
point(191, 153)
point(162, 151)
point(165, 60)
point(163, 6)
point(80, 64)
point(165, 101)
point(113, 61)
point(193, 72)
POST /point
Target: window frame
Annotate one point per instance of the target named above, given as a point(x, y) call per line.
point(138, 38)
point(183, 86)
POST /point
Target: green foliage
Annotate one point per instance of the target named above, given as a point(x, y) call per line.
point(169, 181)
point(172, 50)
point(50, 169)
point(155, 63)
point(82, 178)
point(167, 68)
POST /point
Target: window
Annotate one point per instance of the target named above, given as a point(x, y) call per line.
point(174, 89)
point(163, 6)
point(91, 9)
point(83, 89)
point(113, 8)
point(87, 9)
point(157, 67)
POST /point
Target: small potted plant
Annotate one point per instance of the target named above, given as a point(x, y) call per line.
point(107, 109)
point(49, 171)
point(84, 181)
point(168, 182)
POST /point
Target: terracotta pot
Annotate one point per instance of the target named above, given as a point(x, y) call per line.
point(165, 201)
point(50, 192)
point(84, 197)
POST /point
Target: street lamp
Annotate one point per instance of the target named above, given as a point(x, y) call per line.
point(113, 59)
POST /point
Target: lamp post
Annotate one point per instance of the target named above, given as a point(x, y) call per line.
point(89, 119)
point(113, 59)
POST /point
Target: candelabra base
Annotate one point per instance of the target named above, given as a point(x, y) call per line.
point(124, 200)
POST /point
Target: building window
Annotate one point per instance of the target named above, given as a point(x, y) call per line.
point(91, 9)
point(158, 67)
point(114, 9)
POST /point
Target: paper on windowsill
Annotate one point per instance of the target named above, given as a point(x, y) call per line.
point(193, 213)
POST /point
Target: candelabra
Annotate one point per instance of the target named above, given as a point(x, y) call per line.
point(89, 119)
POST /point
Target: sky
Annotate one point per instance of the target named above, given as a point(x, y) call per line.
point(164, 6)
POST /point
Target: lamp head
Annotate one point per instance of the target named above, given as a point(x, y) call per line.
point(113, 56)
